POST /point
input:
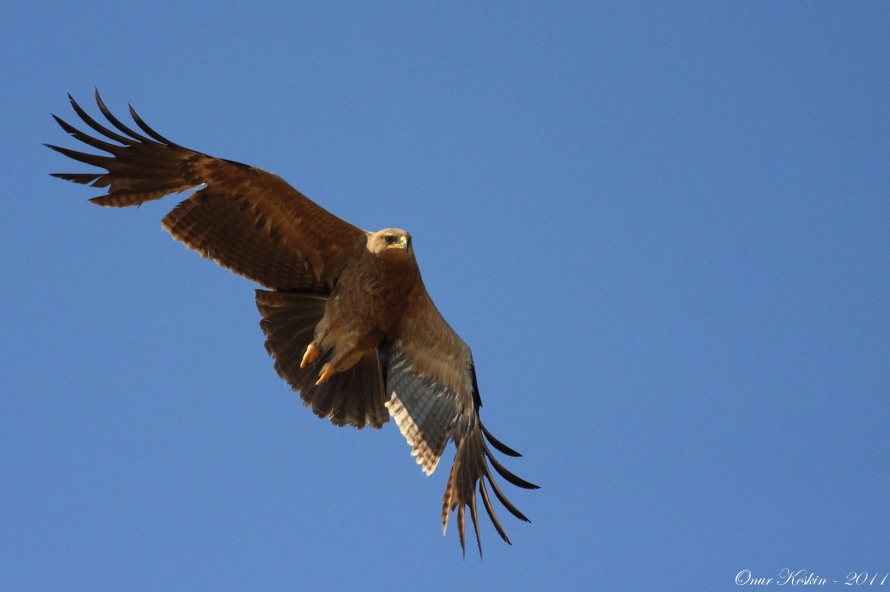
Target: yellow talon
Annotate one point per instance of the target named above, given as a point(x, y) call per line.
point(310, 356)
point(325, 374)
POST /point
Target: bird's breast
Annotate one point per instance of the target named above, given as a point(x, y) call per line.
point(371, 295)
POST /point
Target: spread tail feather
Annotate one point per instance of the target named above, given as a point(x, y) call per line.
point(352, 397)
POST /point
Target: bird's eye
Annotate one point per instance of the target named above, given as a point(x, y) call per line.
point(390, 239)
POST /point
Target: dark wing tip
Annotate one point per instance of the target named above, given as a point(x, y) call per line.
point(116, 122)
point(82, 178)
point(499, 446)
point(64, 125)
point(486, 501)
point(503, 499)
point(84, 116)
point(468, 476)
point(144, 127)
point(517, 481)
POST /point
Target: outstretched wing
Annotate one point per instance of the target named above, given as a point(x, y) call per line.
point(249, 220)
point(430, 382)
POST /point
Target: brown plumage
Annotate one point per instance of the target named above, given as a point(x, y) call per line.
point(346, 314)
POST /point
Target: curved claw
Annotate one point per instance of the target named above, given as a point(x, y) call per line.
point(312, 354)
point(326, 372)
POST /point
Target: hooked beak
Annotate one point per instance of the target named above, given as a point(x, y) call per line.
point(404, 242)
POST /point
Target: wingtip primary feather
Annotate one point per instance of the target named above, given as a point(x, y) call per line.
point(81, 178)
point(116, 122)
point(64, 124)
point(490, 511)
point(144, 127)
point(503, 499)
point(475, 518)
point(467, 478)
point(85, 117)
point(500, 446)
point(460, 529)
point(503, 472)
point(90, 159)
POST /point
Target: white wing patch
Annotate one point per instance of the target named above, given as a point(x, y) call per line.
point(424, 410)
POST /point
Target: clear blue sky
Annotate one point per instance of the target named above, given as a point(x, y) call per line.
point(662, 228)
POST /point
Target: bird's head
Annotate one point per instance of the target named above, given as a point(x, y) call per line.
point(390, 240)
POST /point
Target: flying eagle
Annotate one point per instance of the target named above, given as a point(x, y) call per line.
point(345, 313)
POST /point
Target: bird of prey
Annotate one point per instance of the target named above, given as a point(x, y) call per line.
point(345, 312)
